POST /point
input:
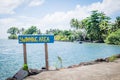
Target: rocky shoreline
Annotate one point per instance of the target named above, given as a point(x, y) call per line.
point(97, 61)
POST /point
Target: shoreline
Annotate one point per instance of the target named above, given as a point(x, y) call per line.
point(60, 73)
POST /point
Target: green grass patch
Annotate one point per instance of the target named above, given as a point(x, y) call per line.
point(25, 67)
point(112, 58)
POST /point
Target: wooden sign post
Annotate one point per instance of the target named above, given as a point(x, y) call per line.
point(46, 56)
point(36, 39)
point(25, 53)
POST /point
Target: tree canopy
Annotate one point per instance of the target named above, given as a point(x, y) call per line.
point(13, 31)
point(31, 30)
point(94, 28)
point(96, 25)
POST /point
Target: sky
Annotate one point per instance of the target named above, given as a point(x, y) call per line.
point(50, 14)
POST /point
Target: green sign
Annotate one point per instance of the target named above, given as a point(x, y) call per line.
point(36, 38)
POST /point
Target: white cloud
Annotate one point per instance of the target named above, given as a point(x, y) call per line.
point(36, 3)
point(8, 6)
point(107, 6)
point(59, 20)
point(7, 21)
point(64, 17)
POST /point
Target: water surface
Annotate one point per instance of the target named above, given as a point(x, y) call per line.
point(11, 54)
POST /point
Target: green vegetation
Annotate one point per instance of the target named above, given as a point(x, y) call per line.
point(98, 28)
point(94, 28)
point(59, 63)
point(13, 36)
point(112, 58)
point(60, 35)
point(95, 25)
point(116, 25)
point(13, 31)
point(60, 60)
point(31, 30)
point(25, 67)
point(114, 38)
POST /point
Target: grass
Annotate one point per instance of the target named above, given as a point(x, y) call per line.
point(25, 67)
point(112, 58)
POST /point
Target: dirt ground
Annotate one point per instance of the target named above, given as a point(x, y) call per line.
point(100, 71)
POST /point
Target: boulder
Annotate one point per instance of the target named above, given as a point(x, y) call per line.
point(118, 55)
point(100, 60)
point(11, 78)
point(21, 74)
point(34, 71)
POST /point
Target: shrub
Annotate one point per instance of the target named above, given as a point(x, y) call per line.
point(112, 58)
point(114, 38)
point(13, 36)
point(25, 67)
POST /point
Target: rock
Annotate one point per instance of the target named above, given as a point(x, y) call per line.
point(107, 59)
point(52, 68)
point(83, 64)
point(34, 71)
point(87, 63)
point(118, 55)
point(100, 60)
point(69, 66)
point(11, 78)
point(75, 65)
point(43, 68)
point(21, 74)
point(80, 42)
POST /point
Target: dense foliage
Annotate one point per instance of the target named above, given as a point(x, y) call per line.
point(13, 32)
point(114, 38)
point(98, 28)
point(31, 30)
point(13, 36)
point(94, 28)
point(60, 35)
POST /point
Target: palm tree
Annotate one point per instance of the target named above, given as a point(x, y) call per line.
point(75, 23)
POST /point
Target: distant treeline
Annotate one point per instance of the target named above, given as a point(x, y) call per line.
point(95, 28)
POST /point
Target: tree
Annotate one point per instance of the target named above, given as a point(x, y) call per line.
point(116, 25)
point(31, 30)
point(114, 38)
point(21, 31)
point(39, 32)
point(96, 25)
point(13, 31)
point(75, 23)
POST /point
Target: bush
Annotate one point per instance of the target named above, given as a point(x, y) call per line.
point(13, 36)
point(112, 58)
point(25, 67)
point(114, 38)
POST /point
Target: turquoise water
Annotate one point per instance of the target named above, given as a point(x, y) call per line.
point(11, 54)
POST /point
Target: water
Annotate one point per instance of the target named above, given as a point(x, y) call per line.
point(11, 54)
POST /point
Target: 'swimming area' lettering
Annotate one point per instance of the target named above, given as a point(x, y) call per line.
point(36, 38)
